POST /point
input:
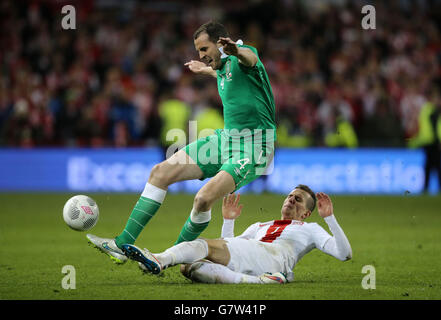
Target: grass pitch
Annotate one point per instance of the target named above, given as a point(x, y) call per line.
point(399, 236)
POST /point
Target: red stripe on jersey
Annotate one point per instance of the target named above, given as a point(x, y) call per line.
point(275, 230)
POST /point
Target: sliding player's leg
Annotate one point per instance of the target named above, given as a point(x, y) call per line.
point(213, 268)
point(178, 167)
point(248, 261)
point(209, 272)
point(205, 271)
point(203, 260)
point(185, 252)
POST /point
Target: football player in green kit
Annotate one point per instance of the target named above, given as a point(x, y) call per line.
point(233, 157)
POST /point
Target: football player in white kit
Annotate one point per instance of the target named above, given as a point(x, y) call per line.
point(265, 253)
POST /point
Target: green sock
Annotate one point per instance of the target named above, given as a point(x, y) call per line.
point(141, 214)
point(191, 230)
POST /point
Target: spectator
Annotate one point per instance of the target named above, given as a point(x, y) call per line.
point(429, 137)
point(382, 128)
point(174, 116)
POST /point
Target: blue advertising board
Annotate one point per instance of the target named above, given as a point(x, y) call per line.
point(336, 171)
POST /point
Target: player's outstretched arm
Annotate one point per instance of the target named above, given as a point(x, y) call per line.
point(199, 67)
point(245, 55)
point(231, 210)
point(338, 246)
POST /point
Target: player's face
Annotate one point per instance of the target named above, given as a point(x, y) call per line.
point(208, 51)
point(295, 205)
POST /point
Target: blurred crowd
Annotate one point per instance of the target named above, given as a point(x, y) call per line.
point(119, 78)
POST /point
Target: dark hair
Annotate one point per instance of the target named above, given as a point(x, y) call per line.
point(311, 193)
point(213, 29)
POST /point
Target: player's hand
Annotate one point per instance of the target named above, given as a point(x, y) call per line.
point(324, 205)
point(229, 46)
point(199, 67)
point(230, 206)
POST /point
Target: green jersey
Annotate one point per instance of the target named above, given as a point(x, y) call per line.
point(246, 94)
point(245, 148)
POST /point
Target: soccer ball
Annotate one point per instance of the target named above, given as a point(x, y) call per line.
point(81, 213)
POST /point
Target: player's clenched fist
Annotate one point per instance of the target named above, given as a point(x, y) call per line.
point(324, 205)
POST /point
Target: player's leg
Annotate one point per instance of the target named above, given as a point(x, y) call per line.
point(190, 253)
point(220, 185)
point(214, 250)
point(185, 252)
point(208, 272)
point(178, 167)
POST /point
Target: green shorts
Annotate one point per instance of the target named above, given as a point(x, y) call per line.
point(244, 158)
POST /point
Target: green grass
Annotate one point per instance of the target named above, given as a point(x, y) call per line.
point(399, 236)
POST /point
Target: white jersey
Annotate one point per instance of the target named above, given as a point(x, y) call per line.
point(278, 245)
point(301, 237)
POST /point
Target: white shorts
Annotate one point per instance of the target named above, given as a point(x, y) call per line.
point(255, 257)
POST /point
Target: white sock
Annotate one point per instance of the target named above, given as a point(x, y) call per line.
point(184, 252)
point(207, 272)
point(153, 192)
point(200, 217)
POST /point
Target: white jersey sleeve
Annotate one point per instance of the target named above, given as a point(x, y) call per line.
point(250, 232)
point(228, 228)
point(338, 246)
point(319, 236)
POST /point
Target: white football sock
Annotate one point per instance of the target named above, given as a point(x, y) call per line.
point(153, 192)
point(200, 217)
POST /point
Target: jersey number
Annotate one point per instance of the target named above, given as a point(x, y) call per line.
point(243, 162)
point(275, 231)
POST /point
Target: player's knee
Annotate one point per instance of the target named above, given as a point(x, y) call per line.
point(202, 202)
point(156, 172)
point(193, 272)
point(160, 175)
